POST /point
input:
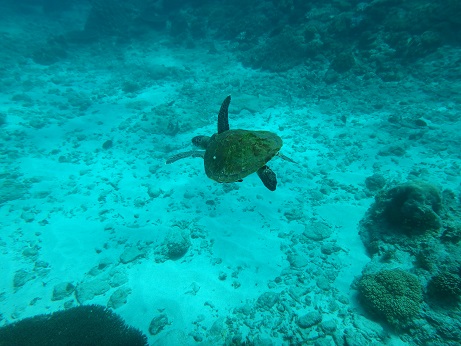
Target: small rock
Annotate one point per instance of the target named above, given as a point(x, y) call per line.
point(108, 144)
point(88, 290)
point(329, 248)
point(28, 216)
point(62, 290)
point(130, 254)
point(118, 279)
point(21, 277)
point(30, 252)
point(297, 261)
point(310, 319)
point(323, 283)
point(375, 182)
point(158, 323)
point(317, 231)
point(328, 326)
point(294, 214)
point(177, 244)
point(267, 300)
point(118, 298)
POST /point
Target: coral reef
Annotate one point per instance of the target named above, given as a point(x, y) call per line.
point(83, 325)
point(445, 287)
point(393, 295)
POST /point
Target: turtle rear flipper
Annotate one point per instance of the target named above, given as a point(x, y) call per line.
point(223, 115)
point(268, 177)
point(192, 153)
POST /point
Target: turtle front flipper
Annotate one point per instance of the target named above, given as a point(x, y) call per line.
point(223, 115)
point(192, 153)
point(268, 177)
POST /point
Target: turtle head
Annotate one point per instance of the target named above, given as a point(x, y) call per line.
point(201, 141)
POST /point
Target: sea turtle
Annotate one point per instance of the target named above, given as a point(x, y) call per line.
point(231, 155)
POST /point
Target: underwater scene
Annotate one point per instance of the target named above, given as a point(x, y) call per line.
point(230, 172)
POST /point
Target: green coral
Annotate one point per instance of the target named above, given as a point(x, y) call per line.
point(445, 287)
point(393, 295)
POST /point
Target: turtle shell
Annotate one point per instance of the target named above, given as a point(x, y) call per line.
point(234, 154)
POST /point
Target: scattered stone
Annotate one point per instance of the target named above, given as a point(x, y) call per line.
point(21, 277)
point(118, 278)
point(62, 290)
point(176, 244)
point(323, 283)
point(294, 214)
point(236, 284)
point(354, 337)
point(31, 252)
point(317, 231)
point(393, 150)
point(217, 328)
point(373, 329)
point(101, 267)
point(267, 300)
point(28, 216)
point(375, 182)
point(296, 292)
point(158, 323)
point(2, 119)
point(329, 248)
point(107, 144)
point(118, 298)
point(297, 261)
point(193, 289)
point(343, 299)
point(328, 326)
point(130, 254)
point(88, 290)
point(11, 189)
point(310, 319)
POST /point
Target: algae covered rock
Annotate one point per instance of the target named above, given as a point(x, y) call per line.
point(409, 215)
point(393, 295)
point(175, 245)
point(412, 207)
point(375, 182)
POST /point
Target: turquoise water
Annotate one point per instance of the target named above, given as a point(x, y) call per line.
point(360, 242)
